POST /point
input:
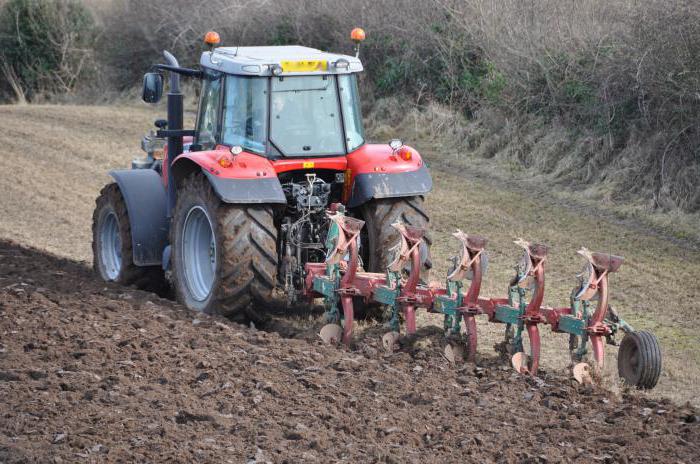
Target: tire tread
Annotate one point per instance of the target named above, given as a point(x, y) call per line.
point(247, 238)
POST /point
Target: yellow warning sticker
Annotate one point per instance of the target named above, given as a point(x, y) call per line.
point(304, 66)
point(308, 164)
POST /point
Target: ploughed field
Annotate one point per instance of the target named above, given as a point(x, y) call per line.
point(95, 372)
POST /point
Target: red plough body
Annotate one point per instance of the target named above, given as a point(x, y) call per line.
point(340, 279)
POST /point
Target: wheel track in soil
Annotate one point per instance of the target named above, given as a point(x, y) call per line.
point(91, 371)
point(47, 201)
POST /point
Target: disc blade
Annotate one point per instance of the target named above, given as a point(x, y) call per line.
point(582, 373)
point(454, 353)
point(331, 334)
point(390, 341)
point(520, 362)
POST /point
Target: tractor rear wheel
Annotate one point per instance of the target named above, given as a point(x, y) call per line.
point(378, 237)
point(111, 245)
point(224, 256)
point(379, 215)
point(639, 359)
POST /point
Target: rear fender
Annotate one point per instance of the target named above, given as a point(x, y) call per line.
point(243, 178)
point(377, 172)
point(145, 200)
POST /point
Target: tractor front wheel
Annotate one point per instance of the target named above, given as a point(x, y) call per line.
point(111, 245)
point(224, 256)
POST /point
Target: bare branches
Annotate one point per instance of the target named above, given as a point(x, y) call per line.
point(46, 46)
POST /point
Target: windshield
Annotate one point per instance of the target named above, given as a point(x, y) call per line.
point(305, 117)
point(245, 113)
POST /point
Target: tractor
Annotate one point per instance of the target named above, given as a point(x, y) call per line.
point(276, 198)
point(231, 212)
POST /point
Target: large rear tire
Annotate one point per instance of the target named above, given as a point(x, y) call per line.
point(224, 256)
point(111, 245)
point(379, 215)
point(380, 237)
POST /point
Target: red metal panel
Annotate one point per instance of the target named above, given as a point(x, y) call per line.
point(337, 163)
point(241, 166)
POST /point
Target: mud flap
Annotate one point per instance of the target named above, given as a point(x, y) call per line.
point(249, 191)
point(390, 185)
point(145, 199)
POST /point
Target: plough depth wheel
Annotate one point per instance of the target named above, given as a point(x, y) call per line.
point(639, 359)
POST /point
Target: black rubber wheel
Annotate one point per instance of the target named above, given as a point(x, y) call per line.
point(639, 360)
point(378, 237)
point(244, 264)
point(111, 245)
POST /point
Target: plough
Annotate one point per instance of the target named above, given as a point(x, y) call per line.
point(340, 280)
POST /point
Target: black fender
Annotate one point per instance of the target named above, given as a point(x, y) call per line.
point(263, 190)
point(389, 185)
point(145, 198)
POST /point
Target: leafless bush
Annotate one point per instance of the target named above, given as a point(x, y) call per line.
point(45, 47)
point(623, 72)
point(601, 91)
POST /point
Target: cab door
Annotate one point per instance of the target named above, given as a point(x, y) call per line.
point(208, 125)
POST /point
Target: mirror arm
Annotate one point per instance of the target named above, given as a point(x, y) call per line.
point(182, 71)
point(162, 133)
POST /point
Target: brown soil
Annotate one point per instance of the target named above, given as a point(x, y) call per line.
point(99, 373)
point(55, 159)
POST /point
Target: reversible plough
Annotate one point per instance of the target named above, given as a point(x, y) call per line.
point(589, 319)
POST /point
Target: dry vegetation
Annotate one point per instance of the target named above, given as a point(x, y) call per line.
point(56, 159)
point(596, 96)
point(567, 122)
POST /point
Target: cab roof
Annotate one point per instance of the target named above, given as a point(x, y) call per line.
point(284, 59)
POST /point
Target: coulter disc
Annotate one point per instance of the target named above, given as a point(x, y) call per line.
point(331, 334)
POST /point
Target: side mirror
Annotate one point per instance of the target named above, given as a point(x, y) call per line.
point(152, 87)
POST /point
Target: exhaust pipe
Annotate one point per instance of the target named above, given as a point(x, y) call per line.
point(175, 118)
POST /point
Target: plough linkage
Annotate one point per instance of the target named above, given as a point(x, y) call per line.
point(340, 279)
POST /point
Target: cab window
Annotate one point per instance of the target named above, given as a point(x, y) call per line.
point(245, 113)
point(208, 116)
point(352, 116)
point(305, 116)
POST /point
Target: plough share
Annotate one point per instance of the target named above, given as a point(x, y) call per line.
point(589, 320)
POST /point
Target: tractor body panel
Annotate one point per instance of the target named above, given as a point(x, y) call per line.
point(145, 200)
point(244, 178)
point(378, 171)
point(249, 191)
point(371, 171)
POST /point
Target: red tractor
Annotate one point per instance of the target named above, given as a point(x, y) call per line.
point(234, 209)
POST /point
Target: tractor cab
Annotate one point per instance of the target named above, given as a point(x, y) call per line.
point(282, 101)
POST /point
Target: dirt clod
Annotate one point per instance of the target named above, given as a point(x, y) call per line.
point(6, 376)
point(104, 390)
